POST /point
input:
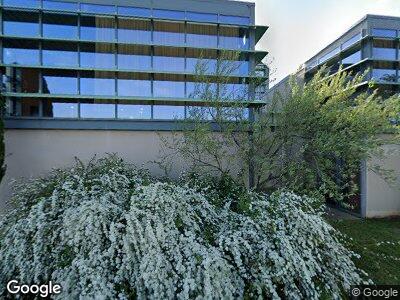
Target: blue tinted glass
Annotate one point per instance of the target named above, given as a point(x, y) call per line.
point(209, 64)
point(97, 60)
point(240, 68)
point(352, 59)
point(21, 28)
point(351, 41)
point(329, 55)
point(233, 38)
point(60, 58)
point(134, 62)
point(134, 36)
point(95, 8)
point(169, 89)
point(384, 32)
point(134, 11)
point(60, 85)
point(133, 112)
point(21, 56)
point(234, 91)
point(168, 38)
point(60, 31)
point(58, 5)
point(164, 63)
point(202, 17)
point(22, 3)
point(127, 87)
point(234, 20)
point(97, 34)
point(386, 75)
point(169, 14)
point(60, 109)
point(167, 112)
point(202, 40)
point(384, 53)
point(200, 113)
point(97, 86)
point(200, 90)
point(97, 111)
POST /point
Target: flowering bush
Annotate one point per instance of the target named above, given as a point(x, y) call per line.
point(107, 230)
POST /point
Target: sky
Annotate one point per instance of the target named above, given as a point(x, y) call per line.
point(301, 28)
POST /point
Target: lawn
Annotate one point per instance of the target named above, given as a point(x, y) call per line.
point(378, 243)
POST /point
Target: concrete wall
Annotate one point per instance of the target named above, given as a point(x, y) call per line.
point(382, 199)
point(30, 153)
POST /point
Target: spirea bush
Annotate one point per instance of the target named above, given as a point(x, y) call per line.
point(107, 230)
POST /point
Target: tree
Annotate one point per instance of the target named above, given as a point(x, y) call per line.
point(310, 140)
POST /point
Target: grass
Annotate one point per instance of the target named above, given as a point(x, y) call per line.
point(378, 243)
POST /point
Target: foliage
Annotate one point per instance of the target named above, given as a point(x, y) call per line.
point(310, 139)
point(107, 230)
point(2, 148)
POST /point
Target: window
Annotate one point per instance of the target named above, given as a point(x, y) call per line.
point(130, 85)
point(203, 36)
point(132, 57)
point(60, 28)
point(59, 5)
point(23, 80)
point(63, 83)
point(97, 109)
point(384, 75)
point(236, 67)
point(59, 54)
point(133, 111)
point(169, 59)
point(234, 20)
point(97, 29)
point(384, 50)
point(168, 112)
point(202, 17)
point(165, 86)
point(384, 32)
point(233, 38)
point(169, 14)
point(351, 59)
point(134, 11)
point(97, 9)
point(60, 108)
point(351, 41)
point(200, 90)
point(167, 33)
point(97, 83)
point(21, 53)
point(30, 107)
point(200, 113)
point(234, 91)
point(22, 3)
point(98, 56)
point(134, 31)
point(204, 60)
point(24, 24)
point(329, 55)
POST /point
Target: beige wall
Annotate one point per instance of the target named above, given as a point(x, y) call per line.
point(36, 152)
point(382, 199)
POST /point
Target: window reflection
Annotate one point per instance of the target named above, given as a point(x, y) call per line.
point(202, 35)
point(61, 28)
point(351, 41)
point(233, 38)
point(169, 59)
point(164, 86)
point(96, 8)
point(351, 59)
point(25, 24)
point(97, 29)
point(58, 54)
point(168, 33)
point(384, 50)
point(23, 80)
point(202, 17)
point(168, 112)
point(97, 109)
point(169, 14)
point(63, 83)
point(379, 32)
point(22, 3)
point(201, 113)
point(133, 111)
point(234, 20)
point(134, 31)
point(204, 60)
point(21, 53)
point(134, 11)
point(384, 75)
point(131, 57)
point(98, 83)
point(60, 108)
point(199, 90)
point(134, 85)
point(98, 56)
point(59, 5)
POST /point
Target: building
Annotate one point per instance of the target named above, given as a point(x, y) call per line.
point(372, 45)
point(88, 77)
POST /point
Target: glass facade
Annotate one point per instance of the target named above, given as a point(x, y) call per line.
point(98, 61)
